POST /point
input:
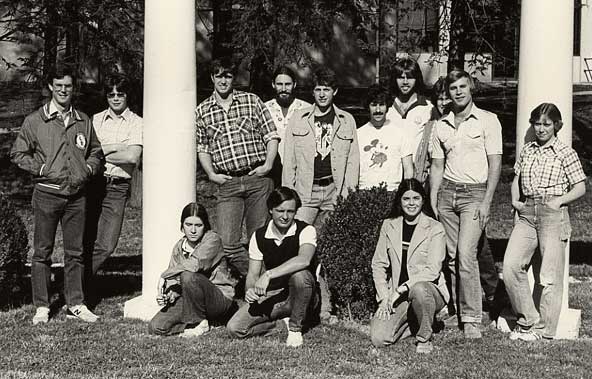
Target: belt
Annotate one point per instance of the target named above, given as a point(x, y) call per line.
point(115, 179)
point(323, 182)
point(244, 171)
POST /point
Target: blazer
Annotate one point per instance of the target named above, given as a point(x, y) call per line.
point(300, 152)
point(426, 253)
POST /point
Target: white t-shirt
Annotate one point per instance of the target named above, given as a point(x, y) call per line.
point(381, 151)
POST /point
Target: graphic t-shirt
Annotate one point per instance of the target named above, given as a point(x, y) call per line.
point(381, 150)
point(323, 127)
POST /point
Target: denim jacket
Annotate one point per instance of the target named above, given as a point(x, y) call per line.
point(426, 253)
point(300, 152)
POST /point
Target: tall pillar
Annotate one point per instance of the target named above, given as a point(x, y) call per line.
point(546, 75)
point(169, 155)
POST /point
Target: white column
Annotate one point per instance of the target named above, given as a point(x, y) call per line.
point(546, 75)
point(169, 155)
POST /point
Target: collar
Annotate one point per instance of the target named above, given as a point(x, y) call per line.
point(555, 145)
point(273, 233)
point(185, 248)
point(211, 101)
point(475, 112)
point(50, 111)
point(126, 114)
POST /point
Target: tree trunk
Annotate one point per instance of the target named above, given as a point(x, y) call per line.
point(458, 39)
point(135, 200)
point(50, 43)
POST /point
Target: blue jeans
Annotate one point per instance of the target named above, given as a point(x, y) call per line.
point(49, 210)
point(200, 300)
point(537, 225)
point(242, 197)
point(104, 218)
point(298, 302)
point(413, 314)
point(457, 203)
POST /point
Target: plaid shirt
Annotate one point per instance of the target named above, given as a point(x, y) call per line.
point(236, 140)
point(548, 170)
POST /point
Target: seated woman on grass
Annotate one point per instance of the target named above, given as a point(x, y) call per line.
point(407, 271)
point(197, 288)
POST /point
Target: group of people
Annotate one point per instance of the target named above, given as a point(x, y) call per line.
point(280, 167)
point(82, 169)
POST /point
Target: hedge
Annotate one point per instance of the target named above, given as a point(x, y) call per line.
point(13, 252)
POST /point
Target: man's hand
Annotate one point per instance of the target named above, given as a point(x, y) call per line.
point(219, 178)
point(518, 206)
point(435, 209)
point(482, 213)
point(260, 171)
point(262, 283)
point(251, 296)
point(161, 300)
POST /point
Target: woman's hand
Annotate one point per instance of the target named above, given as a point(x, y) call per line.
point(518, 206)
point(554, 203)
point(161, 300)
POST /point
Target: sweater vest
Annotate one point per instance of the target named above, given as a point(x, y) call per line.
point(274, 255)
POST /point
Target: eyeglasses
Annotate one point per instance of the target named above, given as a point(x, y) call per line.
point(111, 95)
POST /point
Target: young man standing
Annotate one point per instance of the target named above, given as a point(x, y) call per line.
point(385, 149)
point(236, 145)
point(410, 108)
point(466, 163)
point(284, 103)
point(57, 144)
point(119, 131)
point(321, 156)
point(280, 283)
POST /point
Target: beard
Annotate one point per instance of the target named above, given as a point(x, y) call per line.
point(284, 99)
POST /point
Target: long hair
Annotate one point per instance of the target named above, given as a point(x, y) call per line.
point(408, 185)
point(196, 210)
point(409, 67)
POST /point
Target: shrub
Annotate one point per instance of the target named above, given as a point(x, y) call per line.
point(346, 246)
point(13, 251)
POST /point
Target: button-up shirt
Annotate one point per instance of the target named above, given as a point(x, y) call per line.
point(236, 139)
point(52, 110)
point(548, 170)
point(281, 121)
point(415, 118)
point(466, 148)
point(126, 129)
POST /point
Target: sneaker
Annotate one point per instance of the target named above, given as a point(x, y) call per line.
point(286, 321)
point(294, 339)
point(424, 347)
point(41, 315)
point(201, 329)
point(524, 334)
point(81, 312)
point(472, 330)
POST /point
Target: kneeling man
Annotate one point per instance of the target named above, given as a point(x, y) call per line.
point(280, 281)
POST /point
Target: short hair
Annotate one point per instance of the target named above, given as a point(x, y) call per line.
point(410, 67)
point(222, 65)
point(60, 73)
point(284, 70)
point(455, 75)
point(281, 194)
point(551, 111)
point(409, 185)
point(378, 94)
point(324, 77)
point(196, 210)
point(116, 80)
point(438, 89)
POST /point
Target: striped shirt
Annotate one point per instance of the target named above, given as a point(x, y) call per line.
point(548, 170)
point(236, 139)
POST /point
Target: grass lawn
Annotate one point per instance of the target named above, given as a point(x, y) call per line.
point(121, 348)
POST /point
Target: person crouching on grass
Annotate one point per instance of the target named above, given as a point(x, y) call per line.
point(280, 282)
point(550, 176)
point(197, 287)
point(407, 271)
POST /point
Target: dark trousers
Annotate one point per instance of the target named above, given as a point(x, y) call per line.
point(104, 218)
point(49, 211)
point(200, 300)
point(298, 302)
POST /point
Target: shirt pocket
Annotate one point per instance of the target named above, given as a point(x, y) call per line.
point(244, 125)
point(551, 173)
point(474, 139)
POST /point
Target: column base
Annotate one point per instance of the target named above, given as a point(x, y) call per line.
point(569, 324)
point(568, 328)
point(140, 308)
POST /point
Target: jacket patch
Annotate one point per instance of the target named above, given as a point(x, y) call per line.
point(80, 141)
